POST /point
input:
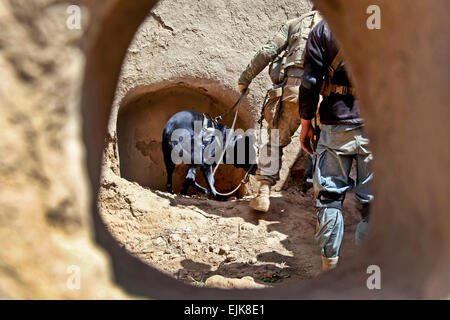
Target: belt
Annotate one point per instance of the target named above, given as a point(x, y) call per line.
point(343, 90)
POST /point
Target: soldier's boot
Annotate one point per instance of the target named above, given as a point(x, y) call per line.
point(262, 201)
point(329, 263)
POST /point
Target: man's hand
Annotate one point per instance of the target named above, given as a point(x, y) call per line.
point(243, 87)
point(306, 136)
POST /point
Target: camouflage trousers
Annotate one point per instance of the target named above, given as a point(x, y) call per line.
point(287, 123)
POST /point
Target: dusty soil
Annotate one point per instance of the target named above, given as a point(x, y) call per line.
point(194, 238)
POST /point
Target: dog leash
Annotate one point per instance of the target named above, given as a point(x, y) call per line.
point(246, 177)
point(260, 122)
point(237, 104)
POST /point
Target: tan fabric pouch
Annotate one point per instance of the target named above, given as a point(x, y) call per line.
point(291, 90)
point(273, 105)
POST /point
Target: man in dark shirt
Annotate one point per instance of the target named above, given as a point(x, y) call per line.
point(342, 140)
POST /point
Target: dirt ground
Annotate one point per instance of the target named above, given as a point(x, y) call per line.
point(194, 238)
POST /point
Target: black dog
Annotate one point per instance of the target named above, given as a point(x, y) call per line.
point(185, 121)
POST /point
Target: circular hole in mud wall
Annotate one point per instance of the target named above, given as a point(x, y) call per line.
point(140, 124)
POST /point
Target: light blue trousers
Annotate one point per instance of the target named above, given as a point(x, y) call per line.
point(338, 147)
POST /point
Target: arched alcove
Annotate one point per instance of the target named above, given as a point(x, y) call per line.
point(140, 123)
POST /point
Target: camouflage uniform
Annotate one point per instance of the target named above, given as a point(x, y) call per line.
point(291, 38)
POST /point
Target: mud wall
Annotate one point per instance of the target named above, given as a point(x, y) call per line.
point(45, 221)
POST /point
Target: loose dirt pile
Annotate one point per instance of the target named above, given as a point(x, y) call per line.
point(193, 238)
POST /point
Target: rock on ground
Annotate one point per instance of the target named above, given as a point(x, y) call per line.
point(226, 283)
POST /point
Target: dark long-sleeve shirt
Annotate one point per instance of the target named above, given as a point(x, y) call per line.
point(321, 49)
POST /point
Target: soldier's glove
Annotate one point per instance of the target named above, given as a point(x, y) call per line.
point(243, 87)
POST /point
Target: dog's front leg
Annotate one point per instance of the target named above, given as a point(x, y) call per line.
point(190, 181)
point(209, 177)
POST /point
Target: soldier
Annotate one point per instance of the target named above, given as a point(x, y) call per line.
point(342, 140)
point(285, 50)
